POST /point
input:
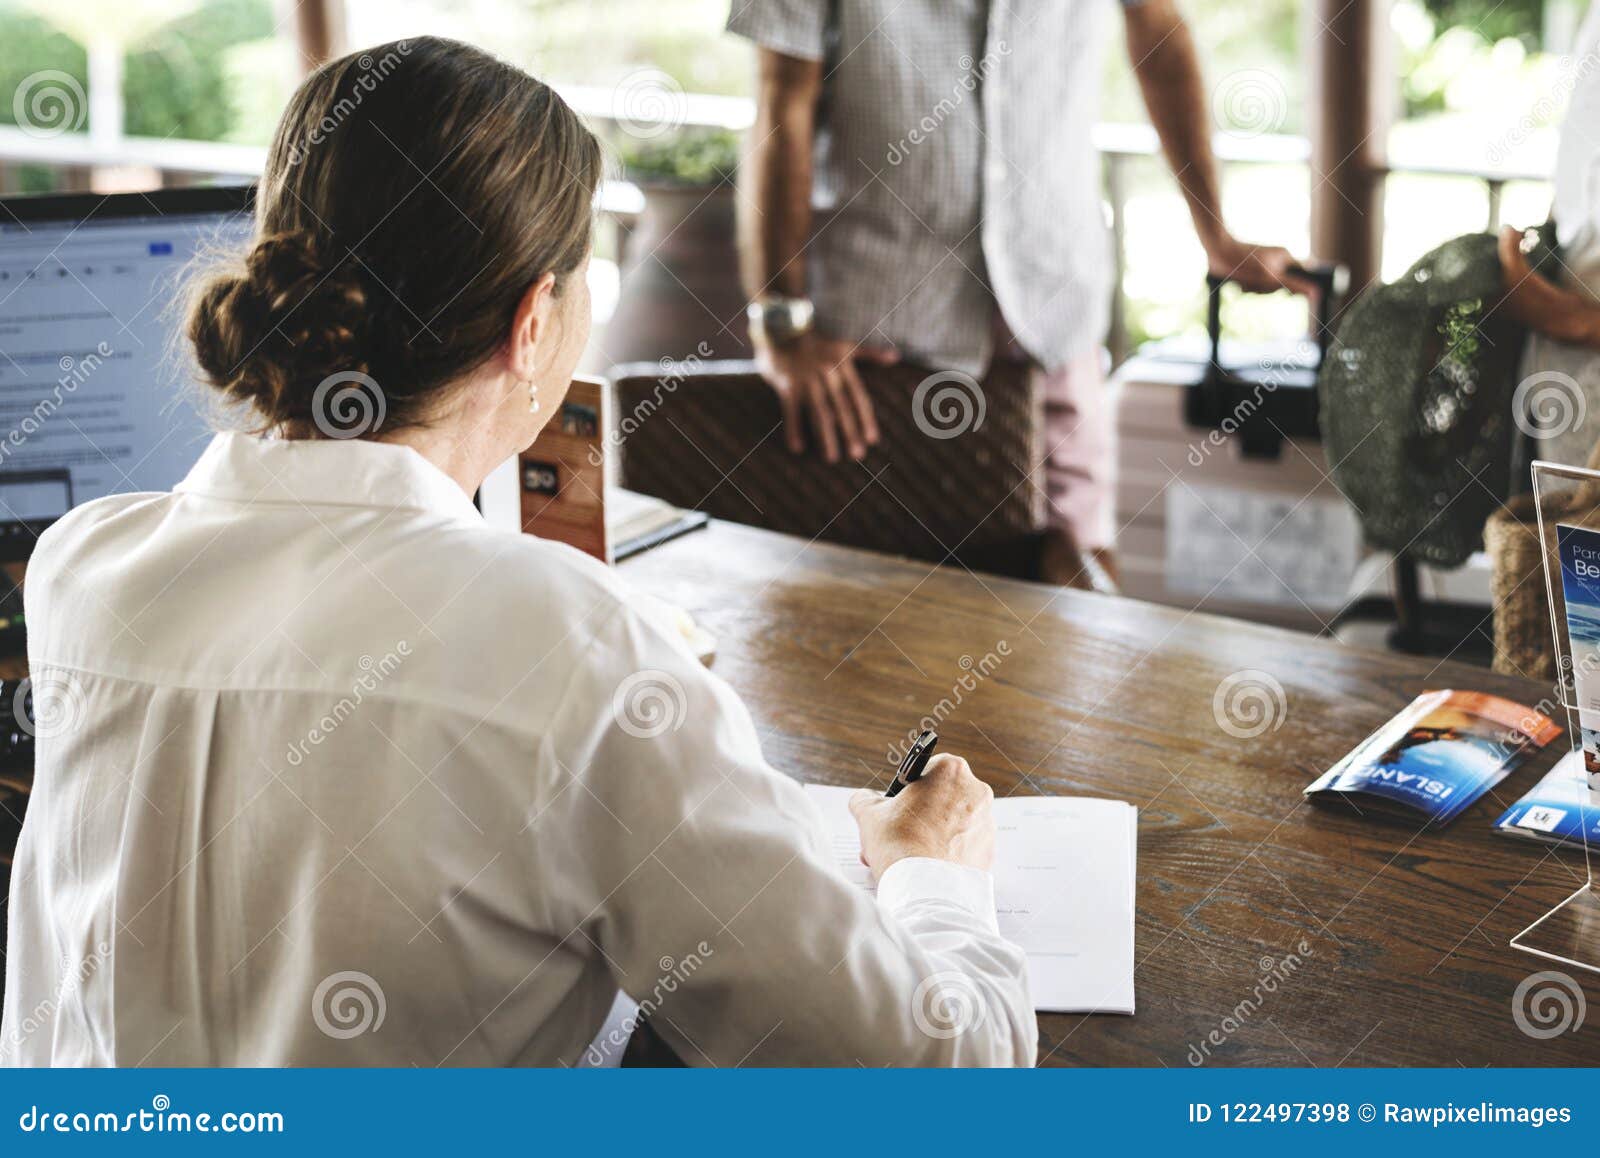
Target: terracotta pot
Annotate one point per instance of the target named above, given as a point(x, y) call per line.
point(680, 293)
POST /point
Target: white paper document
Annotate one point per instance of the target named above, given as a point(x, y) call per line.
point(1064, 871)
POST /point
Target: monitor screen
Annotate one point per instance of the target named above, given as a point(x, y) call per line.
point(96, 396)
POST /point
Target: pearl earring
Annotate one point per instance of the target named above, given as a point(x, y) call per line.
point(533, 397)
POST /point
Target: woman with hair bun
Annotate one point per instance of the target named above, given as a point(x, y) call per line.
point(349, 777)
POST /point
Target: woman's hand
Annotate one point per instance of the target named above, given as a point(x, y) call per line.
point(945, 814)
point(1541, 305)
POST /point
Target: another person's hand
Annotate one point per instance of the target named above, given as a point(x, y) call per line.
point(1540, 304)
point(816, 381)
point(1257, 268)
point(947, 813)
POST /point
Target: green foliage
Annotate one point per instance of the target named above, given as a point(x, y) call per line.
point(177, 83)
point(1460, 326)
point(1236, 41)
point(33, 45)
point(686, 157)
point(1491, 19)
point(1461, 55)
point(35, 179)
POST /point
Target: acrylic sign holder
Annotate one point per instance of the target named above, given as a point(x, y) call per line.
point(1568, 496)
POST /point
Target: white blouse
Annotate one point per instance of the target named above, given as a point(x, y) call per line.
point(332, 773)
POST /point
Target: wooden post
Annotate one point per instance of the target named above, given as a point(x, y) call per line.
point(318, 27)
point(1351, 104)
point(1117, 194)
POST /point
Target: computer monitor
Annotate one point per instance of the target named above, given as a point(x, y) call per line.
point(96, 398)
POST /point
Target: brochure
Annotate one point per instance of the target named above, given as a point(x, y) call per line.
point(1558, 810)
point(1436, 757)
point(1579, 548)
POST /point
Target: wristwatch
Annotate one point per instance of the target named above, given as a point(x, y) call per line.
point(780, 320)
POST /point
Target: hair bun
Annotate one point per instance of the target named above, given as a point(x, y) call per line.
point(267, 335)
point(367, 286)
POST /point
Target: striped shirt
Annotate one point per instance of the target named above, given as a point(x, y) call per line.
point(955, 171)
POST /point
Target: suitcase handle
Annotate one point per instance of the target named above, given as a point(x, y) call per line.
point(1331, 280)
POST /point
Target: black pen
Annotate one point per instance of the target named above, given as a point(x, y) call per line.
point(917, 757)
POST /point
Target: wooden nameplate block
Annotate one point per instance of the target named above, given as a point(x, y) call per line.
point(563, 474)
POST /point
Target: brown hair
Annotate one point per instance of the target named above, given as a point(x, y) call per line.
point(412, 194)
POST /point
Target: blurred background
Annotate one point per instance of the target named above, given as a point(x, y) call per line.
point(1459, 132)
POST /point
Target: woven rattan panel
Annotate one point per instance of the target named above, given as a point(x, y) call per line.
point(709, 437)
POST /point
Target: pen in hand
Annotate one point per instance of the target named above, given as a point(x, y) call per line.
point(949, 817)
point(916, 760)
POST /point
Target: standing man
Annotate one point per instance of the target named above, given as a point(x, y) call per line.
point(921, 183)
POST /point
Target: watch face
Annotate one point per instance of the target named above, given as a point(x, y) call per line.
point(784, 320)
point(779, 322)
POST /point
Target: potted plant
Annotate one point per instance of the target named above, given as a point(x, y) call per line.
point(680, 292)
